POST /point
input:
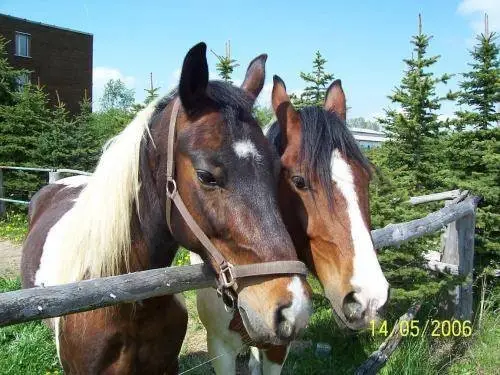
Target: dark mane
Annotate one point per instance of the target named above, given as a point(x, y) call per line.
point(322, 132)
point(221, 93)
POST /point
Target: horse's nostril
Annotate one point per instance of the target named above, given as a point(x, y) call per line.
point(285, 327)
point(352, 309)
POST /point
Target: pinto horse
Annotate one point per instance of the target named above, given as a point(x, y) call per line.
point(115, 222)
point(325, 205)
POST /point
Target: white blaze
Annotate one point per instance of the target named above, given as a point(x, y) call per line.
point(298, 313)
point(245, 149)
point(368, 281)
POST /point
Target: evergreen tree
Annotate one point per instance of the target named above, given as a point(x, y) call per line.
point(414, 129)
point(264, 115)
point(225, 66)
point(8, 75)
point(21, 123)
point(480, 89)
point(318, 81)
point(67, 142)
point(151, 92)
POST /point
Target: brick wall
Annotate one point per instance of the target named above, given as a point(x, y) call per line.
point(60, 59)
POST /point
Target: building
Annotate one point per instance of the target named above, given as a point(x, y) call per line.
point(368, 138)
point(59, 59)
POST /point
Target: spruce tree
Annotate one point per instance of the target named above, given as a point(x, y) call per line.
point(414, 129)
point(225, 66)
point(8, 75)
point(318, 81)
point(151, 92)
point(480, 89)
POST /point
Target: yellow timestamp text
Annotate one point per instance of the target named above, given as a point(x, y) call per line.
point(414, 328)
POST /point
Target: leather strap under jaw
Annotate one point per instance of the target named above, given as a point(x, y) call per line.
point(227, 274)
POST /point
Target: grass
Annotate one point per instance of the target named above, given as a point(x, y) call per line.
point(26, 348)
point(29, 348)
point(13, 226)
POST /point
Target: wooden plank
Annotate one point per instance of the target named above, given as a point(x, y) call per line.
point(46, 302)
point(54, 176)
point(441, 267)
point(465, 229)
point(379, 357)
point(394, 234)
point(452, 194)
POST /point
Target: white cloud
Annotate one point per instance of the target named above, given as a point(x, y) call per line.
point(474, 10)
point(101, 75)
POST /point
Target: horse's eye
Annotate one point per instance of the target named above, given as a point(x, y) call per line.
point(206, 178)
point(299, 182)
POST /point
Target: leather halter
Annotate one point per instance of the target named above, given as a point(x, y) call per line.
point(227, 274)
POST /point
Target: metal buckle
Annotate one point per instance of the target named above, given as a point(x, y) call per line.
point(226, 275)
point(171, 187)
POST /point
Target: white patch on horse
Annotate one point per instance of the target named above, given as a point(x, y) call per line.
point(73, 181)
point(50, 260)
point(254, 364)
point(245, 149)
point(368, 281)
point(298, 312)
point(47, 273)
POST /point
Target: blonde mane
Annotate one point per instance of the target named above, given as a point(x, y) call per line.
point(96, 239)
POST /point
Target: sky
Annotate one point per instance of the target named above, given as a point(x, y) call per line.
point(364, 42)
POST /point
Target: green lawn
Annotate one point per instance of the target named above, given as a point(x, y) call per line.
point(29, 348)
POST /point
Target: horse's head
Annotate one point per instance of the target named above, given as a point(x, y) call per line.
point(326, 203)
point(227, 175)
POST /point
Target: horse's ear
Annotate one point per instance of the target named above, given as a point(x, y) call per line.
point(288, 117)
point(335, 99)
point(255, 76)
point(194, 78)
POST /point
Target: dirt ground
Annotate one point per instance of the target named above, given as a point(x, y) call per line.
point(10, 257)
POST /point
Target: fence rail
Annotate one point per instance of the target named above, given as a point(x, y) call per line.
point(54, 175)
point(45, 302)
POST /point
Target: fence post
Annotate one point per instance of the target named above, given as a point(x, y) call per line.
point(465, 229)
point(54, 176)
point(459, 250)
point(2, 195)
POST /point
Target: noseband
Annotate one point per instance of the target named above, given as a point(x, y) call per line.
point(227, 274)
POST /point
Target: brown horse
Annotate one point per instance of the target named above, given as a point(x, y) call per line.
point(325, 205)
point(114, 222)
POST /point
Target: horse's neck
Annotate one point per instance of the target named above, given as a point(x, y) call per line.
point(152, 242)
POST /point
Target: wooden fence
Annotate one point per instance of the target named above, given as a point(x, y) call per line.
point(457, 217)
point(45, 302)
point(54, 175)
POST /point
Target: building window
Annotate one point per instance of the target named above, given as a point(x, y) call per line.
point(23, 44)
point(22, 80)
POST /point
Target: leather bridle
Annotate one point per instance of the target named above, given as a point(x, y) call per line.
point(227, 273)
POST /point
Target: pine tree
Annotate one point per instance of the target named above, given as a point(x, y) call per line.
point(151, 92)
point(480, 89)
point(318, 81)
point(225, 66)
point(414, 129)
point(8, 75)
